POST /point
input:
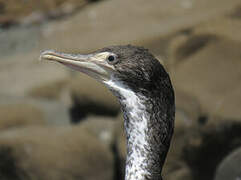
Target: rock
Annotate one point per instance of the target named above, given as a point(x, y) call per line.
point(35, 11)
point(27, 73)
point(101, 127)
point(230, 105)
point(84, 87)
point(54, 153)
point(203, 60)
point(98, 28)
point(91, 97)
point(17, 40)
point(79, 90)
point(236, 13)
point(17, 115)
point(217, 139)
point(175, 47)
point(206, 75)
point(192, 39)
point(53, 90)
point(229, 168)
point(224, 26)
point(179, 174)
point(20, 111)
point(188, 110)
point(185, 45)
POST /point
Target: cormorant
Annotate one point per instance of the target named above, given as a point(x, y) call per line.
point(146, 96)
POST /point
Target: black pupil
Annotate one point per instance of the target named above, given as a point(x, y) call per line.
point(111, 58)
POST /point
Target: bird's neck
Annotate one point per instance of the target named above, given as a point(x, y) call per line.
point(143, 158)
point(147, 134)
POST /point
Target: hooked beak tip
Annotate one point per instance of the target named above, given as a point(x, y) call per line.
point(47, 55)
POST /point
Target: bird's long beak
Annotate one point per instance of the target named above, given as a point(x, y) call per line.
point(90, 64)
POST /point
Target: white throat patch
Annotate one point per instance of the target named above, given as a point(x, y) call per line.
point(138, 117)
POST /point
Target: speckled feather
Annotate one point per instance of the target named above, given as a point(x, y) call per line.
point(146, 96)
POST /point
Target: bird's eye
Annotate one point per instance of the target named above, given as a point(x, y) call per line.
point(112, 59)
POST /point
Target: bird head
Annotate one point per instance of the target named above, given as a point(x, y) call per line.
point(146, 96)
point(131, 66)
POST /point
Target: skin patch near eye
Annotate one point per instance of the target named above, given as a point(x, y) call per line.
point(102, 55)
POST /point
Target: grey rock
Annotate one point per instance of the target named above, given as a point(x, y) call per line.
point(230, 167)
point(209, 145)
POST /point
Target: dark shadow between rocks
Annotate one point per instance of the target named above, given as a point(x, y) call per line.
point(214, 144)
point(81, 109)
point(8, 166)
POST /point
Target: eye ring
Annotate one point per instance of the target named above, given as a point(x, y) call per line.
point(112, 59)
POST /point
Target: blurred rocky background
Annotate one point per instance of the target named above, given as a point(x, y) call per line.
point(59, 124)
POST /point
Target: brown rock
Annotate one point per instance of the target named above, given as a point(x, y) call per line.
point(54, 153)
point(13, 11)
point(84, 87)
point(184, 45)
point(179, 174)
point(230, 105)
point(17, 111)
point(53, 90)
point(160, 18)
point(211, 74)
point(102, 127)
point(21, 74)
point(91, 97)
point(17, 115)
point(188, 107)
point(224, 26)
